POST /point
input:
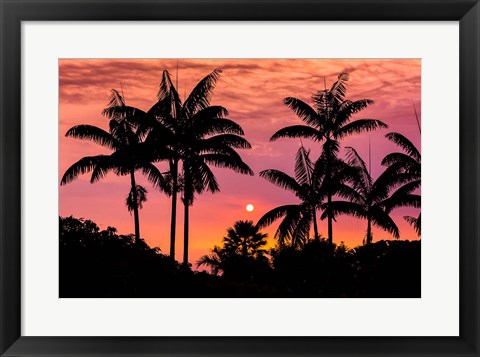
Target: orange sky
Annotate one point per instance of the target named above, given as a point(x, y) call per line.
point(252, 90)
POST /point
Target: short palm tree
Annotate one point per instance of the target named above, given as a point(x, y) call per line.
point(128, 155)
point(199, 136)
point(328, 121)
point(367, 198)
point(406, 168)
point(244, 239)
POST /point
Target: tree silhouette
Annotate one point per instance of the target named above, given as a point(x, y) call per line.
point(367, 198)
point(405, 168)
point(164, 139)
point(129, 155)
point(328, 121)
point(200, 136)
point(245, 239)
point(243, 244)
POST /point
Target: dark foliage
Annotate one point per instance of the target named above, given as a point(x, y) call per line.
point(101, 263)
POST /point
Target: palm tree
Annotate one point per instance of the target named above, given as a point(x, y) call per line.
point(129, 155)
point(311, 187)
point(200, 136)
point(243, 239)
point(328, 121)
point(165, 134)
point(367, 198)
point(406, 168)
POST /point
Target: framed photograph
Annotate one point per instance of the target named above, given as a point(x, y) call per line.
point(239, 178)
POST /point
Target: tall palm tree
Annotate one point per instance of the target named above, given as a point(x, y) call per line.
point(406, 168)
point(200, 136)
point(243, 239)
point(165, 134)
point(367, 198)
point(129, 155)
point(328, 121)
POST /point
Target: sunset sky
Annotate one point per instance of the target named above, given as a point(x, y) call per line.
point(252, 90)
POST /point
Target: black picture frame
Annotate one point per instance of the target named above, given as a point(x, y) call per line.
point(12, 13)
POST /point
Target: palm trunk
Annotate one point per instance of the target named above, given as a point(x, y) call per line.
point(315, 227)
point(174, 172)
point(135, 207)
point(369, 230)
point(185, 232)
point(187, 198)
point(329, 194)
point(330, 221)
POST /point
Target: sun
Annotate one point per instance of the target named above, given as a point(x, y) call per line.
point(249, 207)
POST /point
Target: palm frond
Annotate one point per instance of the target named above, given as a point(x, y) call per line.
point(228, 162)
point(349, 108)
point(301, 233)
point(103, 167)
point(343, 207)
point(115, 99)
point(405, 144)
point(199, 174)
point(415, 223)
point(327, 100)
point(298, 131)
point(303, 111)
point(166, 89)
point(216, 126)
point(364, 181)
point(382, 220)
point(281, 179)
point(403, 197)
point(404, 161)
point(82, 166)
point(339, 88)
point(210, 112)
point(153, 175)
point(360, 126)
point(303, 167)
point(286, 228)
point(231, 140)
point(201, 95)
point(93, 133)
point(274, 214)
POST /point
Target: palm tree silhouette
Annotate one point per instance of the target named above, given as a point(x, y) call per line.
point(405, 167)
point(200, 136)
point(243, 239)
point(129, 155)
point(367, 198)
point(165, 135)
point(328, 121)
point(310, 187)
